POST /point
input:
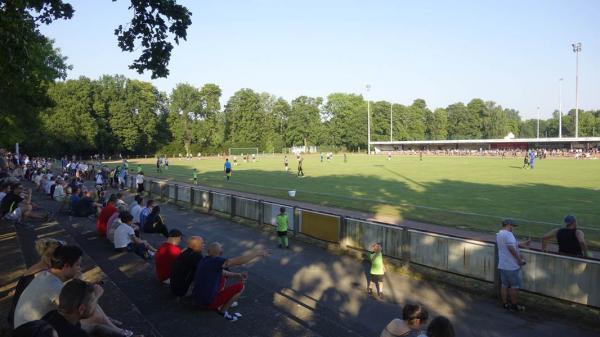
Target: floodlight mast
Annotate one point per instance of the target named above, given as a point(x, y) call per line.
point(560, 80)
point(368, 86)
point(538, 122)
point(576, 50)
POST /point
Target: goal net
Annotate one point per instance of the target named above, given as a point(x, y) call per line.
point(238, 151)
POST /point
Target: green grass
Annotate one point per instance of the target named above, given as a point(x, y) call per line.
point(469, 193)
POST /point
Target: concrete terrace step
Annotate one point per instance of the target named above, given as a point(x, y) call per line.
point(114, 301)
point(12, 266)
point(265, 313)
point(304, 291)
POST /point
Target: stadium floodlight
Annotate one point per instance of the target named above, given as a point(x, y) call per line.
point(391, 119)
point(560, 80)
point(576, 50)
point(538, 122)
point(368, 86)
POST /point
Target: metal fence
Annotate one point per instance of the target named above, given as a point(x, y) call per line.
point(567, 278)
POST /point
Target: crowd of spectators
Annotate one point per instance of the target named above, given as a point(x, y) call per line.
point(541, 153)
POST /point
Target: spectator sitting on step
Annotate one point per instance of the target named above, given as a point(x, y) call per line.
point(86, 206)
point(154, 222)
point(121, 204)
point(37, 328)
point(413, 318)
point(184, 267)
point(125, 239)
point(209, 281)
point(77, 300)
point(4, 189)
point(440, 327)
point(166, 255)
point(146, 211)
point(75, 196)
point(17, 205)
point(571, 240)
point(41, 295)
point(105, 214)
point(45, 249)
point(136, 209)
point(59, 190)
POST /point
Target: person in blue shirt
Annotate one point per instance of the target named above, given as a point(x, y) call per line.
point(531, 159)
point(146, 211)
point(227, 167)
point(209, 281)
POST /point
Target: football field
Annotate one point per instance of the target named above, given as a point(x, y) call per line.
point(472, 193)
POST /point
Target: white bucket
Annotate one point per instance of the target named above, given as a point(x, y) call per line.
point(292, 193)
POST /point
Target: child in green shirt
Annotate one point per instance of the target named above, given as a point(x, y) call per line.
point(282, 228)
point(377, 269)
point(195, 177)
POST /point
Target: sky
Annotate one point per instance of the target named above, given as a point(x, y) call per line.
point(510, 52)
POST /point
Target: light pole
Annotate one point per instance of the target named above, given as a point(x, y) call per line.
point(538, 122)
point(391, 119)
point(560, 107)
point(368, 86)
point(576, 50)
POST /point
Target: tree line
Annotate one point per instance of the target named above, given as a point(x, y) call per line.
point(114, 114)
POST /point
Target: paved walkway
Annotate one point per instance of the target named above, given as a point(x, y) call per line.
point(304, 291)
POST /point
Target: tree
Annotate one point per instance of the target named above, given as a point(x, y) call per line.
point(347, 116)
point(304, 121)
point(69, 126)
point(29, 63)
point(415, 117)
point(244, 119)
point(184, 111)
point(210, 128)
point(439, 126)
point(462, 124)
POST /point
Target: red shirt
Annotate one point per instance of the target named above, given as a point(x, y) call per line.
point(164, 259)
point(102, 222)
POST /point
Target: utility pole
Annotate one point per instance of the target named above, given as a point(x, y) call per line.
point(576, 50)
point(560, 107)
point(391, 124)
point(368, 86)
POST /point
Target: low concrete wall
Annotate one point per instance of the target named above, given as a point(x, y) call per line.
point(201, 199)
point(320, 226)
point(361, 234)
point(247, 208)
point(184, 194)
point(221, 202)
point(271, 211)
point(466, 257)
point(568, 278)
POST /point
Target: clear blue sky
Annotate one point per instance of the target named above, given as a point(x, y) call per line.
point(511, 52)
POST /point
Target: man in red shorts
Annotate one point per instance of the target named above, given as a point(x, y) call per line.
point(209, 281)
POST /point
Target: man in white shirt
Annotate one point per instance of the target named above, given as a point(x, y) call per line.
point(59, 191)
point(509, 265)
point(125, 239)
point(139, 180)
point(41, 295)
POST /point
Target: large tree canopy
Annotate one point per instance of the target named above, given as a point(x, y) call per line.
point(29, 63)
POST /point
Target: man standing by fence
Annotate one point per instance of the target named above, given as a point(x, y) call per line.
point(509, 265)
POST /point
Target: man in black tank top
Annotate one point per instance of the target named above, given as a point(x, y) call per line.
point(570, 240)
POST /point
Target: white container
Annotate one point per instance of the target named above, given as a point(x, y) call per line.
point(292, 193)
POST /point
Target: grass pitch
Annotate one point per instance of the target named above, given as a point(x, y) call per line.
point(470, 193)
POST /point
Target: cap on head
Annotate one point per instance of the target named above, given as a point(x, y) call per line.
point(175, 233)
point(507, 222)
point(570, 219)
